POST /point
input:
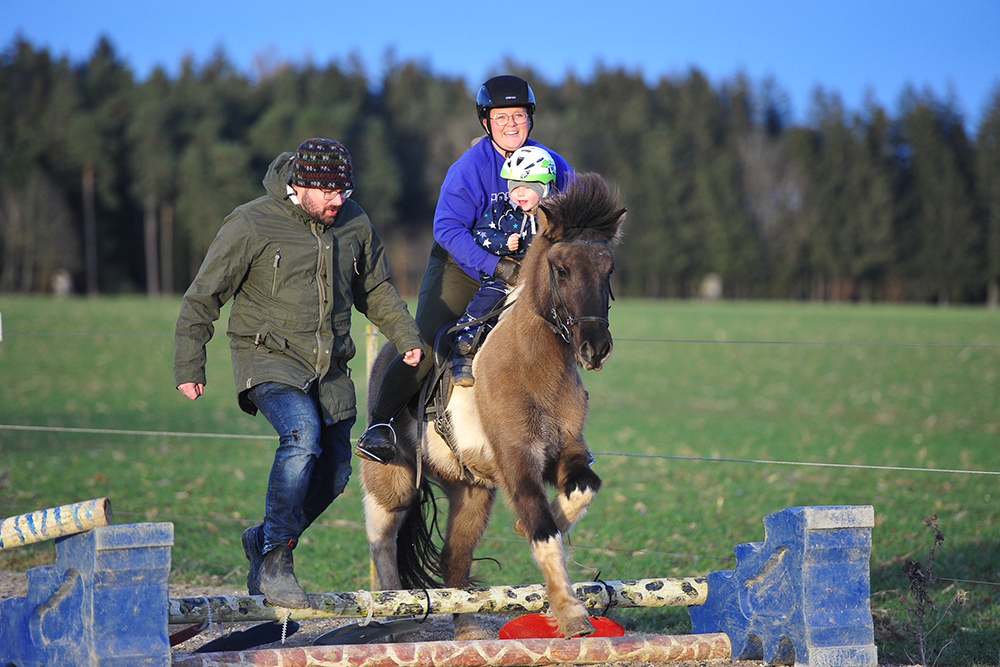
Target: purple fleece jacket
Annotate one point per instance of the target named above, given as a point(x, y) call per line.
point(470, 188)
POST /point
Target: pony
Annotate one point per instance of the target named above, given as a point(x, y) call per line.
point(518, 429)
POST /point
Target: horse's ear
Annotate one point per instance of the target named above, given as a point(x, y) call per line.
point(618, 225)
point(545, 227)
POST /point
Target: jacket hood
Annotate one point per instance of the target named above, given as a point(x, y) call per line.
point(276, 180)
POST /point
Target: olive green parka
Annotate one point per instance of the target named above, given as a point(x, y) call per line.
point(293, 282)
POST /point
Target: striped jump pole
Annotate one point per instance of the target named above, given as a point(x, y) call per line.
point(483, 653)
point(528, 598)
point(48, 524)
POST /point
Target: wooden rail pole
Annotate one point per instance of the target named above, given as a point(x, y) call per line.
point(24, 529)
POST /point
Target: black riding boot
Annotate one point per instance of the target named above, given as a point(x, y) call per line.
point(277, 580)
point(377, 443)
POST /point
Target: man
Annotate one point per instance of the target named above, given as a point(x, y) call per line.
point(293, 261)
point(505, 106)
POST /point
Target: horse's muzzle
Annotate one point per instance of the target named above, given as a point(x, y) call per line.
point(593, 350)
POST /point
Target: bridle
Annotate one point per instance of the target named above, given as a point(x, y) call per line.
point(562, 326)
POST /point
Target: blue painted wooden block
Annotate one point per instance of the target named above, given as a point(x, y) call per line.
point(104, 603)
point(803, 594)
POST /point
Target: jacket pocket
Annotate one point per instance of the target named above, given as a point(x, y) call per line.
point(274, 268)
point(342, 336)
point(270, 342)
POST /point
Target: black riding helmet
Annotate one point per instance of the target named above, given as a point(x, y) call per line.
point(505, 91)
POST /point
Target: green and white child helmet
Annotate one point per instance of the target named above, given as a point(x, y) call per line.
point(530, 165)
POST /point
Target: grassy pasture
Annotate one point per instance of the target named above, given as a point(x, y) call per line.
point(886, 386)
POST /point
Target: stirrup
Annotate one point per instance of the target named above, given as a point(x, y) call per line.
point(375, 445)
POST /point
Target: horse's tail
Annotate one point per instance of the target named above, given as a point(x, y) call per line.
point(418, 558)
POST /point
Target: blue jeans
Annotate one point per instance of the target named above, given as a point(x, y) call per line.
point(311, 465)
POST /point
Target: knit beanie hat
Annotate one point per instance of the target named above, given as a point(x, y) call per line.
point(541, 188)
point(322, 163)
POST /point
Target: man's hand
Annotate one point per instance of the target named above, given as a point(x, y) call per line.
point(413, 357)
point(191, 389)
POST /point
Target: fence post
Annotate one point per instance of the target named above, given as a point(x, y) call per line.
point(371, 351)
point(371, 348)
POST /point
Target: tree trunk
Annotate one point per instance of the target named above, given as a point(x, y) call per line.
point(167, 249)
point(89, 230)
point(149, 245)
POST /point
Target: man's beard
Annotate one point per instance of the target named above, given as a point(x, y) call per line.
point(318, 216)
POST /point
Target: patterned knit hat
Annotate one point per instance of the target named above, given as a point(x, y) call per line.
point(322, 163)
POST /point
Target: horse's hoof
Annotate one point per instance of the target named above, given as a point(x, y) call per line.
point(520, 529)
point(470, 635)
point(467, 629)
point(578, 627)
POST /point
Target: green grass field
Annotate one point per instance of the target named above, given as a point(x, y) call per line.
point(876, 386)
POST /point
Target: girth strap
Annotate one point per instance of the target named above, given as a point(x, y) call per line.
point(434, 397)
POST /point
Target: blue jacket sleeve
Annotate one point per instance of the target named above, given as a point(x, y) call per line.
point(465, 195)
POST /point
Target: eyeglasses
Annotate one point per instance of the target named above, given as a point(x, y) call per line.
point(332, 194)
point(501, 119)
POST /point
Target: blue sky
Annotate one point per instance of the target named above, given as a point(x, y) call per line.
point(850, 47)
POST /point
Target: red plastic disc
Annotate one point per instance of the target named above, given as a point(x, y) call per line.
point(543, 626)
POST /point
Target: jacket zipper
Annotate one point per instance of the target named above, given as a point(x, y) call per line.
point(274, 276)
point(321, 293)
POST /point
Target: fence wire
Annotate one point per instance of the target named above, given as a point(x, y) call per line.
point(684, 341)
point(674, 457)
point(644, 551)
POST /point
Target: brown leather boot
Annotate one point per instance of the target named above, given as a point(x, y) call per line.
point(277, 580)
point(251, 547)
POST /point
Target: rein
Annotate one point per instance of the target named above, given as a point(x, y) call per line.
point(560, 326)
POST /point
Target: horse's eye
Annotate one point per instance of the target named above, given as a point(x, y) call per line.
point(561, 272)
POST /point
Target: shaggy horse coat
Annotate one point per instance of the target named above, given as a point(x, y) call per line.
point(519, 429)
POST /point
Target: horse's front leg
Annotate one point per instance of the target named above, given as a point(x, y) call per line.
point(578, 485)
point(541, 527)
point(570, 614)
point(388, 493)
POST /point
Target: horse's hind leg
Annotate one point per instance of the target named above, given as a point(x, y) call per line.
point(469, 509)
point(389, 492)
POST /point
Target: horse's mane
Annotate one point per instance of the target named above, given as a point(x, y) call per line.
point(588, 209)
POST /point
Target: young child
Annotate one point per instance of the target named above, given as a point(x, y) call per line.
point(505, 230)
